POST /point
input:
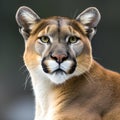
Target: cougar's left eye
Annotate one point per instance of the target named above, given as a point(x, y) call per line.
point(72, 39)
point(44, 39)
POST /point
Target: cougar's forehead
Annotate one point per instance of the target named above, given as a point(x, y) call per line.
point(58, 25)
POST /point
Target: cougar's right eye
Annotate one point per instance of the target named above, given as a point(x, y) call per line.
point(44, 39)
point(72, 39)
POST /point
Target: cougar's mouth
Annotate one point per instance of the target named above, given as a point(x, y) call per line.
point(59, 71)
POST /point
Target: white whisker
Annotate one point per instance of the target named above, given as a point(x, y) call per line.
point(26, 80)
point(24, 70)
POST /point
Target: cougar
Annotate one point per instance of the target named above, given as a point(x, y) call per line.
point(68, 83)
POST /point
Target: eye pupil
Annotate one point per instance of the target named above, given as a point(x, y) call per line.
point(44, 39)
point(72, 39)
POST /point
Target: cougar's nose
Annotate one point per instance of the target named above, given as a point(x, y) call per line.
point(59, 57)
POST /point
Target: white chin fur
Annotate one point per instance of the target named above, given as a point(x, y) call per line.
point(58, 78)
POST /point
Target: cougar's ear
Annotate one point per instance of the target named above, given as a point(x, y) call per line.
point(25, 18)
point(90, 19)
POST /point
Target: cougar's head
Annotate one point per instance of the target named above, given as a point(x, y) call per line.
point(57, 47)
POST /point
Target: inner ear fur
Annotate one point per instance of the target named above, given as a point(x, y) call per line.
point(25, 18)
point(90, 19)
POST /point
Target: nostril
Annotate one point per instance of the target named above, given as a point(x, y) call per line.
point(53, 57)
point(59, 57)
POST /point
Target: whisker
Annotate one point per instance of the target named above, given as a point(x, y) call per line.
point(75, 13)
point(24, 70)
point(22, 67)
point(26, 80)
point(96, 58)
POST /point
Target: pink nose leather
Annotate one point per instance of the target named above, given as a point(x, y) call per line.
point(59, 57)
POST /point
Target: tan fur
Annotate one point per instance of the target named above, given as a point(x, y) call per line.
point(92, 93)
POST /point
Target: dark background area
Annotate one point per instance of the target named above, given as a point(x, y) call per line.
point(16, 96)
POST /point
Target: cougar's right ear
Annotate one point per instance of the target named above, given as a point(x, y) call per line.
point(25, 18)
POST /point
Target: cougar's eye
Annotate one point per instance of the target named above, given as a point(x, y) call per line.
point(44, 39)
point(72, 39)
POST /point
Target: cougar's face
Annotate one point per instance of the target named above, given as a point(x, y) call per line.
point(57, 48)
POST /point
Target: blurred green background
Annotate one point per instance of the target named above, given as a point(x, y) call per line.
point(16, 98)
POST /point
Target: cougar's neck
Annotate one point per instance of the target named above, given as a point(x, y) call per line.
point(42, 88)
point(50, 98)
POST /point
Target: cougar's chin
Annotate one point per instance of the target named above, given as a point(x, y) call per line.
point(59, 77)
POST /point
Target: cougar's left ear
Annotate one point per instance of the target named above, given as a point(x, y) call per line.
point(25, 18)
point(90, 19)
